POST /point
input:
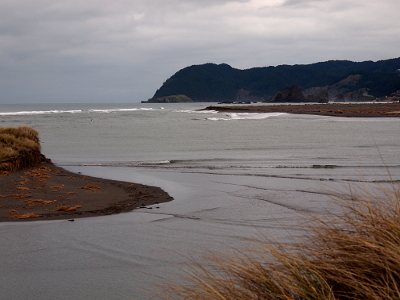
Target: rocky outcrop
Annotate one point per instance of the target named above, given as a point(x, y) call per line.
point(357, 95)
point(295, 94)
point(322, 97)
point(170, 99)
point(289, 94)
point(343, 90)
point(393, 97)
point(346, 90)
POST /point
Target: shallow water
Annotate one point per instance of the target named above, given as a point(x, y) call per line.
point(233, 176)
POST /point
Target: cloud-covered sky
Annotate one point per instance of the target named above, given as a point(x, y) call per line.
point(123, 50)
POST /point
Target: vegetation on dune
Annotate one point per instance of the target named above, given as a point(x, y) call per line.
point(352, 256)
point(19, 148)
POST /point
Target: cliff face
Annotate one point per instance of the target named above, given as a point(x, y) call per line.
point(294, 94)
point(217, 83)
point(350, 89)
point(289, 94)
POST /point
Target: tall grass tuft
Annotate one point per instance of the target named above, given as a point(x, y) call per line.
point(25, 132)
point(19, 148)
point(352, 255)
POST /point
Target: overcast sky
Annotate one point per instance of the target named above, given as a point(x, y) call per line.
point(122, 51)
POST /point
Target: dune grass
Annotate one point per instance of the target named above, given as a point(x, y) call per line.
point(352, 255)
point(19, 148)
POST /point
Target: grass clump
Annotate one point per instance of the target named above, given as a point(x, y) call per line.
point(39, 202)
point(26, 216)
point(355, 255)
point(65, 208)
point(19, 148)
point(90, 187)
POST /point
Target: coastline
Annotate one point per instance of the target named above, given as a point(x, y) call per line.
point(48, 192)
point(381, 109)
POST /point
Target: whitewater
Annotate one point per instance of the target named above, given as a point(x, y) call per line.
point(233, 176)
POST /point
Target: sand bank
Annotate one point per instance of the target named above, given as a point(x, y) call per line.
point(48, 192)
point(379, 109)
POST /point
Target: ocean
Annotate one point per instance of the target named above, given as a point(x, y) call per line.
point(233, 177)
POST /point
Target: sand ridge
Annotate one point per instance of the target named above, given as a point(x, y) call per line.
point(377, 109)
point(48, 192)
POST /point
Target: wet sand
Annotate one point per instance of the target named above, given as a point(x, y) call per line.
point(48, 192)
point(379, 109)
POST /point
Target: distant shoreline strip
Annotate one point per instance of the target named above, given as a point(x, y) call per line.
point(378, 109)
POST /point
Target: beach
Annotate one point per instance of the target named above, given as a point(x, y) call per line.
point(378, 109)
point(48, 192)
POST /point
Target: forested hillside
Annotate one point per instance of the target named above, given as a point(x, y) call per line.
point(214, 83)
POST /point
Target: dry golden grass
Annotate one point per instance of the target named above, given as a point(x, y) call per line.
point(21, 132)
point(90, 187)
point(7, 152)
point(57, 187)
point(23, 188)
point(355, 255)
point(39, 202)
point(19, 148)
point(26, 216)
point(68, 208)
point(16, 196)
point(41, 172)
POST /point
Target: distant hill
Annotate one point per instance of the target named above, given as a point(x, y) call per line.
point(344, 80)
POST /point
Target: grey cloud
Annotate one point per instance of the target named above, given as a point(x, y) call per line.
point(299, 2)
point(123, 50)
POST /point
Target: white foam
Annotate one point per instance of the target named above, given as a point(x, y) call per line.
point(40, 112)
point(245, 116)
point(110, 110)
point(196, 111)
point(72, 111)
point(160, 162)
point(126, 164)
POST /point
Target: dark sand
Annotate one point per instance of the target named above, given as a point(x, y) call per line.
point(49, 192)
point(378, 109)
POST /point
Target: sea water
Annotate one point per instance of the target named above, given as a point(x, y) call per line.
point(233, 177)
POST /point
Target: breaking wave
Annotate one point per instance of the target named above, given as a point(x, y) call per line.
point(223, 164)
point(74, 111)
point(119, 110)
point(196, 111)
point(231, 116)
point(245, 116)
point(40, 112)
